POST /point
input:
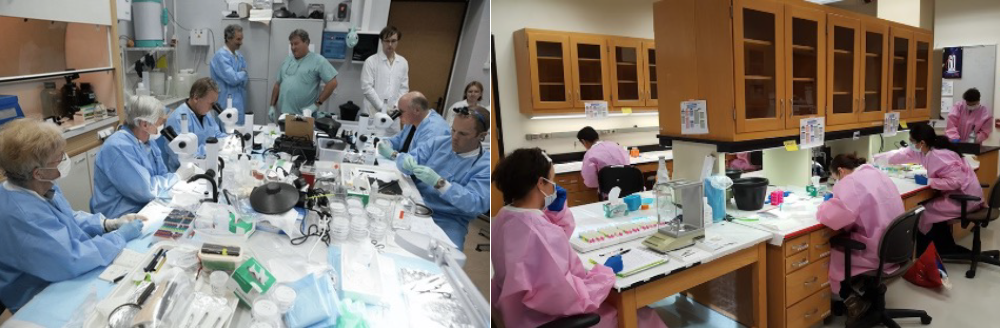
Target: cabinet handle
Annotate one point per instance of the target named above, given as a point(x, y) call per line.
point(578, 95)
point(810, 313)
point(823, 245)
point(800, 247)
point(781, 111)
point(824, 254)
point(811, 281)
point(825, 284)
point(800, 264)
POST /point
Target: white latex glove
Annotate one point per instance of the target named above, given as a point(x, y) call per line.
point(113, 224)
point(186, 171)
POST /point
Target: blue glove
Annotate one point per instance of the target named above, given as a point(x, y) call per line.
point(827, 196)
point(426, 174)
point(955, 140)
point(385, 149)
point(560, 201)
point(615, 263)
point(130, 231)
point(409, 163)
point(270, 114)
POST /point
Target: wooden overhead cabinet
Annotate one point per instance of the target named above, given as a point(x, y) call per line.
point(764, 65)
point(649, 57)
point(627, 72)
point(590, 69)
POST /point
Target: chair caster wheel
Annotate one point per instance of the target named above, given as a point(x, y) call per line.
point(970, 274)
point(925, 320)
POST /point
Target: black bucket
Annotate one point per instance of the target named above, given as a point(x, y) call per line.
point(349, 111)
point(750, 193)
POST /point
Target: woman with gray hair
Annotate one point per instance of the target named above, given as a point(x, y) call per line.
point(229, 70)
point(129, 171)
point(42, 240)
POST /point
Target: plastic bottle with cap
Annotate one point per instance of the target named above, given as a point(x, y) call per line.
point(218, 281)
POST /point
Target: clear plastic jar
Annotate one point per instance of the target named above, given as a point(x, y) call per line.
point(340, 227)
point(359, 228)
point(338, 208)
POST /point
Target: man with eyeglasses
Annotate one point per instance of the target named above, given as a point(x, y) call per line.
point(420, 123)
point(385, 75)
point(453, 172)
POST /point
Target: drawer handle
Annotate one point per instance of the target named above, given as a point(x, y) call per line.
point(800, 264)
point(826, 314)
point(823, 245)
point(810, 313)
point(824, 254)
point(811, 281)
point(825, 284)
point(800, 247)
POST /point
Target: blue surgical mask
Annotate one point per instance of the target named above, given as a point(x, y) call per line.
point(549, 198)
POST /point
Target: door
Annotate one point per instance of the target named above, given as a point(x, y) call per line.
point(649, 50)
point(626, 72)
point(805, 58)
point(899, 71)
point(550, 70)
point(874, 70)
point(590, 69)
point(758, 30)
point(432, 30)
point(76, 187)
point(921, 77)
point(843, 69)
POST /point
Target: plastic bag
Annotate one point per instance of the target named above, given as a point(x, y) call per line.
point(315, 302)
point(926, 271)
point(715, 191)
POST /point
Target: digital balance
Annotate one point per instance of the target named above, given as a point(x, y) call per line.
point(680, 212)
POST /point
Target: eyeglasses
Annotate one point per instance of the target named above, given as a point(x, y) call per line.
point(467, 112)
point(390, 41)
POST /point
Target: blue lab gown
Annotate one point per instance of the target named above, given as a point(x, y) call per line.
point(432, 126)
point(228, 71)
point(208, 127)
point(469, 194)
point(128, 175)
point(43, 241)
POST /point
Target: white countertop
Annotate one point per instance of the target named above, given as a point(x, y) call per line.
point(735, 238)
point(648, 157)
point(76, 130)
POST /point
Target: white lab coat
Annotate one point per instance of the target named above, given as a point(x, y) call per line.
point(381, 82)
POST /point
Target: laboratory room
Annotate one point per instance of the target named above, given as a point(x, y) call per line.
point(237, 163)
point(745, 163)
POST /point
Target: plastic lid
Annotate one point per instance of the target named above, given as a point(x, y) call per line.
point(265, 309)
point(355, 212)
point(218, 277)
point(338, 206)
point(284, 295)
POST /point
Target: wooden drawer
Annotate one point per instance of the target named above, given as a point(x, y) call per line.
point(796, 245)
point(805, 282)
point(810, 311)
point(584, 197)
point(796, 262)
point(819, 244)
point(571, 181)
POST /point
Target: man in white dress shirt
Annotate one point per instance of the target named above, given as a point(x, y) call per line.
point(385, 76)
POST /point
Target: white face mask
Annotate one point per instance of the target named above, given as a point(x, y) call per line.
point(549, 198)
point(152, 136)
point(914, 147)
point(65, 165)
point(972, 107)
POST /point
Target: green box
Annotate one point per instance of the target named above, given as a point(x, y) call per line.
point(252, 280)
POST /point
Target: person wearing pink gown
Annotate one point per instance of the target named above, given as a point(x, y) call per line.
point(865, 201)
point(599, 154)
point(742, 162)
point(538, 277)
point(948, 173)
point(970, 119)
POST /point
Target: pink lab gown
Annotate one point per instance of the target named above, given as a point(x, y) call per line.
point(864, 203)
point(961, 121)
point(742, 162)
point(539, 278)
point(946, 172)
point(601, 154)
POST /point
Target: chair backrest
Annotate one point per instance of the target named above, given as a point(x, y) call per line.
point(993, 202)
point(898, 240)
point(626, 177)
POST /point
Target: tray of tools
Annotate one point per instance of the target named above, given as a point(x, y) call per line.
point(165, 292)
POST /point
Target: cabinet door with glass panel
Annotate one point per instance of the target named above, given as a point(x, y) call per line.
point(900, 75)
point(590, 69)
point(843, 70)
point(804, 64)
point(550, 70)
point(649, 52)
point(921, 77)
point(874, 70)
point(627, 87)
point(759, 63)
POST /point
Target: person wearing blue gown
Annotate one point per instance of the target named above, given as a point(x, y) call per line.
point(229, 71)
point(420, 123)
point(453, 173)
point(201, 121)
point(42, 240)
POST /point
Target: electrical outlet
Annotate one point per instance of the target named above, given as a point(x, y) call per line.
point(199, 37)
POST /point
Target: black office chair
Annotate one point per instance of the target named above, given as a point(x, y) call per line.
point(896, 247)
point(627, 177)
point(980, 219)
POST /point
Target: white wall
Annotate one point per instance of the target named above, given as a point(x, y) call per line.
point(969, 23)
point(633, 18)
point(80, 11)
point(900, 11)
point(473, 58)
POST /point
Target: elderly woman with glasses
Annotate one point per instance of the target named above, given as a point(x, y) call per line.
point(42, 240)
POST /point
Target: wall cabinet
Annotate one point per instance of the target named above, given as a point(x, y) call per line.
point(558, 72)
point(779, 61)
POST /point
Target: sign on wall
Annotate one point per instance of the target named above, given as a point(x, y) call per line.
point(952, 68)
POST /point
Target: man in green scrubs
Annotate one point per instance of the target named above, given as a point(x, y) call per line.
point(299, 78)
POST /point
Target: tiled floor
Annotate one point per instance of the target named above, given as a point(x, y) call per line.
point(969, 303)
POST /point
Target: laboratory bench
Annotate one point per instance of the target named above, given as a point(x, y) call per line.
point(568, 174)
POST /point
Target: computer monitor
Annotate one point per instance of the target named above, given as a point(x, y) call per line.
point(367, 46)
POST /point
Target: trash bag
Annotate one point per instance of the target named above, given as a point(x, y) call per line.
point(927, 270)
point(715, 191)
